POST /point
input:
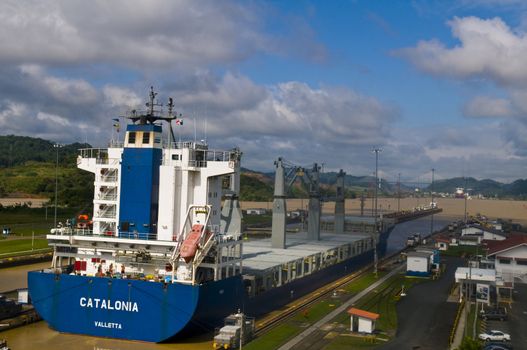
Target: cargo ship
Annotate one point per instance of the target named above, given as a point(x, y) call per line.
point(164, 256)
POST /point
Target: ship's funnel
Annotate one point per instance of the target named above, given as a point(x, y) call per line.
point(339, 203)
point(279, 207)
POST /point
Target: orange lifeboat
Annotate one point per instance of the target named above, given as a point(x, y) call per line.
point(190, 245)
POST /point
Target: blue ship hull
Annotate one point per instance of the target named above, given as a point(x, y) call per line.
point(130, 309)
point(155, 311)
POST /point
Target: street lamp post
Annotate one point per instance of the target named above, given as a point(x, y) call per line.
point(375, 233)
point(56, 146)
point(432, 204)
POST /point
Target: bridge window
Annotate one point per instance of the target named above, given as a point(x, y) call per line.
point(131, 137)
point(146, 138)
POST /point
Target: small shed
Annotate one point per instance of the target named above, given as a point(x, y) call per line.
point(418, 264)
point(362, 321)
point(442, 243)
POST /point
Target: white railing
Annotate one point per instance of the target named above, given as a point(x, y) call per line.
point(116, 144)
point(107, 196)
point(107, 213)
point(108, 178)
point(107, 193)
point(100, 153)
point(67, 231)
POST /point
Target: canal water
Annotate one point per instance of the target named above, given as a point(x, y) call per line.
point(399, 234)
point(40, 336)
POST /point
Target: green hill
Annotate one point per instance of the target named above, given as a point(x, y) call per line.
point(28, 167)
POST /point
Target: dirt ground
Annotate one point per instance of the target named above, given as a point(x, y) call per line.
point(35, 202)
point(452, 207)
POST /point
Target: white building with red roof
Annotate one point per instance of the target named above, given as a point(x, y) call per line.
point(362, 321)
point(510, 256)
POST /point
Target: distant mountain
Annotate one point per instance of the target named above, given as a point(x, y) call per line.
point(253, 183)
point(517, 188)
point(27, 166)
point(485, 187)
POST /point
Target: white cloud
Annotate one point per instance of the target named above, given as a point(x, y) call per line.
point(292, 110)
point(120, 97)
point(11, 110)
point(157, 34)
point(478, 150)
point(56, 120)
point(481, 106)
point(290, 118)
point(488, 49)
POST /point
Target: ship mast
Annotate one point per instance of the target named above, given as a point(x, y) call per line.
point(151, 115)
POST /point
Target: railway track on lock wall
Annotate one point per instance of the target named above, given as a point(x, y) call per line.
point(269, 322)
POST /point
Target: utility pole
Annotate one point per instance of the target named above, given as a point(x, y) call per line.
point(372, 197)
point(56, 146)
point(375, 233)
point(399, 192)
point(465, 197)
point(362, 203)
point(432, 204)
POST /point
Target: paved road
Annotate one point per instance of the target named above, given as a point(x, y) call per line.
point(424, 316)
point(518, 318)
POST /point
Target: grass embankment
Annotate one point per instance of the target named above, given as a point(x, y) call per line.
point(14, 247)
point(382, 301)
point(25, 223)
point(250, 220)
point(74, 186)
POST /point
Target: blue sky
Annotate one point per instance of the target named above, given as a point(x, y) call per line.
point(436, 84)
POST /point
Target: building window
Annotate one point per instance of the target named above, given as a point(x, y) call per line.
point(131, 137)
point(157, 139)
point(521, 262)
point(146, 138)
point(175, 157)
point(505, 261)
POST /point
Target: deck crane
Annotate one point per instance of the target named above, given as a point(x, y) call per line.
point(285, 176)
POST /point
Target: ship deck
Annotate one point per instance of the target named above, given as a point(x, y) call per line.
point(272, 267)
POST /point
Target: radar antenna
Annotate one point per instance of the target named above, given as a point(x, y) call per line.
point(152, 102)
point(170, 106)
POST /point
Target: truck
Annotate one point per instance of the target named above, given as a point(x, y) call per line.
point(413, 240)
point(237, 328)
